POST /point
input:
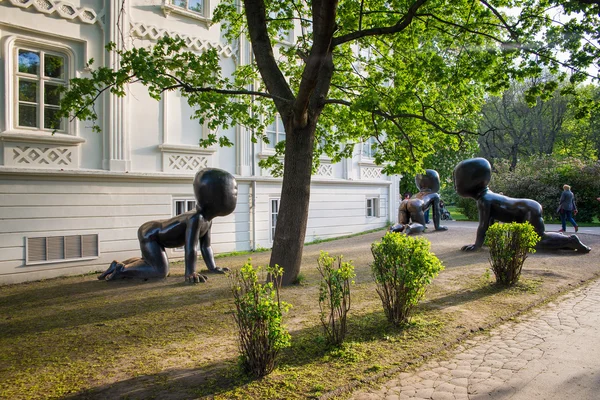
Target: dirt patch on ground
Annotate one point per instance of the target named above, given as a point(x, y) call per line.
point(82, 338)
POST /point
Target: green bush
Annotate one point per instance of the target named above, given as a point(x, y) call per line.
point(509, 245)
point(258, 315)
point(334, 295)
point(403, 266)
point(542, 179)
point(468, 207)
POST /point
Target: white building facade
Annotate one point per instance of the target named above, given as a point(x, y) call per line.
point(72, 201)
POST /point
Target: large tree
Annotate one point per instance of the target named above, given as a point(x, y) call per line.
point(410, 73)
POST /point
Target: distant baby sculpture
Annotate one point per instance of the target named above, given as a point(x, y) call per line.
point(415, 207)
point(471, 179)
point(216, 195)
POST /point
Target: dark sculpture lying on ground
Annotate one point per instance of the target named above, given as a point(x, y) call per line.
point(471, 179)
point(413, 209)
point(216, 195)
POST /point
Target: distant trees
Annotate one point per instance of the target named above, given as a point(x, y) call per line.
point(523, 123)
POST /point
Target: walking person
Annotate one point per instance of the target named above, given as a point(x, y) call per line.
point(567, 208)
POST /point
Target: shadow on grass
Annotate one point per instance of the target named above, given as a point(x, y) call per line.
point(308, 347)
point(61, 308)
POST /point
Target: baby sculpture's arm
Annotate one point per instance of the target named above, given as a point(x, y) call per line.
point(207, 254)
point(484, 209)
point(191, 254)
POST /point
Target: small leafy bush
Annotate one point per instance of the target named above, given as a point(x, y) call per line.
point(403, 266)
point(509, 245)
point(258, 315)
point(468, 207)
point(334, 295)
point(542, 178)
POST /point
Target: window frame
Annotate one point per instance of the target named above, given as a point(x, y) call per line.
point(368, 144)
point(12, 76)
point(272, 225)
point(373, 210)
point(278, 123)
point(168, 7)
point(187, 201)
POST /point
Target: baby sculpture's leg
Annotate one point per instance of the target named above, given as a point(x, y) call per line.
point(553, 240)
point(153, 264)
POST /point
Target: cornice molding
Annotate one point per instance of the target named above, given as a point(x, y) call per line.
point(86, 175)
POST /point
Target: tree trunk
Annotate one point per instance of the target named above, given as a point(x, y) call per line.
point(295, 195)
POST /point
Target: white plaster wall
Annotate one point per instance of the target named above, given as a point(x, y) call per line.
point(336, 209)
point(114, 209)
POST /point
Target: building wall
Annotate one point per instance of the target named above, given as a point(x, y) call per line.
point(79, 182)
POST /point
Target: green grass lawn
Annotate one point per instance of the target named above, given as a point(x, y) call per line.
point(456, 214)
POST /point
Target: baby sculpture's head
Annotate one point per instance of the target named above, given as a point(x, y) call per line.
point(429, 181)
point(472, 176)
point(216, 192)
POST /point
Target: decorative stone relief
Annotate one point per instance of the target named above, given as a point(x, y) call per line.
point(151, 32)
point(37, 156)
point(183, 163)
point(370, 173)
point(325, 170)
point(62, 8)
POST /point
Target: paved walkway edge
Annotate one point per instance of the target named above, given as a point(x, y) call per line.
point(389, 373)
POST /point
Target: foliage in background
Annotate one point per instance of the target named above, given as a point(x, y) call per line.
point(519, 124)
point(509, 245)
point(403, 266)
point(258, 315)
point(580, 135)
point(334, 295)
point(542, 179)
point(468, 207)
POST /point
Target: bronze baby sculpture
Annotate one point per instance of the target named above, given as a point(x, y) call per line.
point(216, 195)
point(471, 179)
point(413, 209)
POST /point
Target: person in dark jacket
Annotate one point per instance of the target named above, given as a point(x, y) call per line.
point(567, 208)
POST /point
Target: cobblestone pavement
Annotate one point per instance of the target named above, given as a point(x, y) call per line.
point(551, 353)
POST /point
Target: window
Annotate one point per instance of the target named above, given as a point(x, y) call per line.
point(369, 148)
point(273, 220)
point(373, 207)
point(275, 132)
point(39, 77)
point(194, 6)
point(181, 206)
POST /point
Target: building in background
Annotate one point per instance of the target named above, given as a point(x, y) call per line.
point(73, 201)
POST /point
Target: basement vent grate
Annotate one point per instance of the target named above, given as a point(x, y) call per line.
point(61, 248)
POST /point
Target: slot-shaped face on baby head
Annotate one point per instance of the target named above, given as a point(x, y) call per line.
point(216, 192)
point(429, 181)
point(472, 176)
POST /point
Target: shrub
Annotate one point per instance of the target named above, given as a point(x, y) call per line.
point(334, 295)
point(509, 245)
point(258, 315)
point(468, 207)
point(542, 179)
point(403, 266)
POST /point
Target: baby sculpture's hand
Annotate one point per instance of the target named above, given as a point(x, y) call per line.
point(469, 247)
point(219, 270)
point(196, 278)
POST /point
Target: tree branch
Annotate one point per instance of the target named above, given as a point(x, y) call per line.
point(402, 24)
point(324, 12)
point(263, 54)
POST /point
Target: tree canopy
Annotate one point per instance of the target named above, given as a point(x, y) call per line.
point(410, 73)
